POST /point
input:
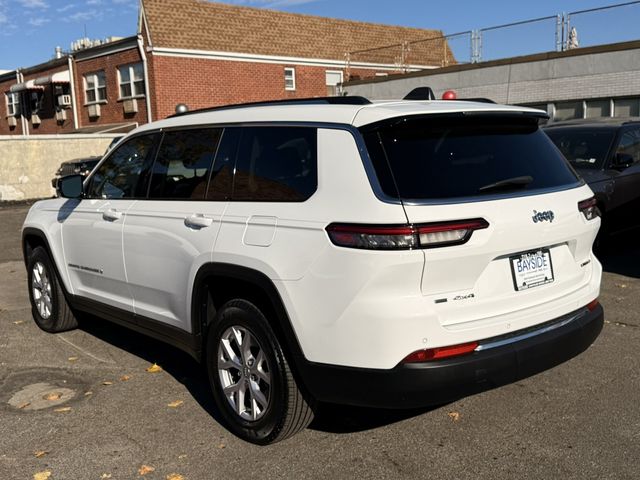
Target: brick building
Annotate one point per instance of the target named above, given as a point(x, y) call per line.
point(203, 54)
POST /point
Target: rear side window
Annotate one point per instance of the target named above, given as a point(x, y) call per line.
point(276, 164)
point(125, 173)
point(183, 164)
point(583, 147)
point(444, 157)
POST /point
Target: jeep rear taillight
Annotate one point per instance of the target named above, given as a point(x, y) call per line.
point(404, 237)
point(439, 353)
point(589, 208)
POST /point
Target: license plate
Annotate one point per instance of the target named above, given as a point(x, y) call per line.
point(531, 269)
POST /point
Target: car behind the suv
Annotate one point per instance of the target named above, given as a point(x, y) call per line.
point(396, 254)
point(606, 153)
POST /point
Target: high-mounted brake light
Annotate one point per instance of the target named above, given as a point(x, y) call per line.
point(589, 208)
point(404, 237)
point(439, 353)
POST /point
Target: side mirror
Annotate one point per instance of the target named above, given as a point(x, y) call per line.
point(622, 160)
point(70, 186)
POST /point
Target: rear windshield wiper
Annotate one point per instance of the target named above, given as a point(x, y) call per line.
point(515, 182)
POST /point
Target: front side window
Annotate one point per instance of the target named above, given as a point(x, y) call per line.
point(452, 156)
point(95, 87)
point(630, 144)
point(289, 78)
point(131, 80)
point(13, 104)
point(183, 164)
point(124, 174)
point(276, 164)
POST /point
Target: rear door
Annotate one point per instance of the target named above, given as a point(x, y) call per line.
point(170, 234)
point(506, 172)
point(625, 196)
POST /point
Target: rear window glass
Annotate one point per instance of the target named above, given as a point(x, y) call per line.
point(584, 148)
point(444, 157)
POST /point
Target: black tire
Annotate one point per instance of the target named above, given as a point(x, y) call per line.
point(287, 411)
point(58, 317)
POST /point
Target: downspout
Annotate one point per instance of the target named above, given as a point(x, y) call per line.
point(23, 121)
point(146, 78)
point(72, 80)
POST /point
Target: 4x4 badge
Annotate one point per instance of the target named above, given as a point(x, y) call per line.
point(543, 216)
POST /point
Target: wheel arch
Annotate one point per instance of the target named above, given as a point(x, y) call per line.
point(217, 283)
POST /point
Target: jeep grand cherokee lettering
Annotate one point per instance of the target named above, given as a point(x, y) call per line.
point(330, 250)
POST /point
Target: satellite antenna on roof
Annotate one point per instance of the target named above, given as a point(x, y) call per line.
point(420, 93)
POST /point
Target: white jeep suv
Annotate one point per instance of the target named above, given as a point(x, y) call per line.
point(392, 254)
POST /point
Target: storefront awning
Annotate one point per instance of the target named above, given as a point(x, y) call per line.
point(58, 77)
point(28, 85)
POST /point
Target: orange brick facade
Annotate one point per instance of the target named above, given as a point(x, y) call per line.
point(197, 82)
point(111, 110)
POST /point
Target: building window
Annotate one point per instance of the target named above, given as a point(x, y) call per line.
point(131, 80)
point(95, 87)
point(626, 107)
point(289, 78)
point(37, 101)
point(333, 79)
point(568, 111)
point(13, 104)
point(598, 108)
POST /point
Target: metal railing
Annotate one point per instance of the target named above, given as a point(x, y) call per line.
point(563, 31)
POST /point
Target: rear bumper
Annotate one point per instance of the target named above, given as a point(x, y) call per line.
point(432, 383)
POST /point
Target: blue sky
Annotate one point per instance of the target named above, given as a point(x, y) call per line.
point(31, 29)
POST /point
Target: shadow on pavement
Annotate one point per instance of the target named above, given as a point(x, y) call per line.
point(174, 361)
point(621, 254)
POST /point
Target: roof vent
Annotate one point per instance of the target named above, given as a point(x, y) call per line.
point(420, 93)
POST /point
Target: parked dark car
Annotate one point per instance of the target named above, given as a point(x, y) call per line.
point(606, 153)
point(81, 166)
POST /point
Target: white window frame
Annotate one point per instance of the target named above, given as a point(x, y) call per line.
point(131, 82)
point(96, 87)
point(13, 104)
point(290, 73)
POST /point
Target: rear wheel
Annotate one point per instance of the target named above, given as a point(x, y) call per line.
point(252, 383)
point(49, 306)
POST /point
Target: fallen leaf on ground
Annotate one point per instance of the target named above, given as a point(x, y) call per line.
point(52, 396)
point(175, 476)
point(144, 469)
point(180, 457)
point(621, 285)
point(221, 446)
point(455, 416)
point(124, 378)
point(42, 475)
point(105, 475)
point(23, 405)
point(18, 322)
point(107, 383)
point(175, 404)
point(62, 409)
point(40, 453)
point(72, 359)
point(154, 368)
point(86, 394)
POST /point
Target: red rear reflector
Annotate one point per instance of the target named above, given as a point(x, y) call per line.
point(593, 305)
point(440, 352)
point(404, 237)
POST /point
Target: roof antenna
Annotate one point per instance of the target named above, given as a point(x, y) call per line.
point(420, 93)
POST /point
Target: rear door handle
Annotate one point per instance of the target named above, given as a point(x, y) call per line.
point(111, 215)
point(198, 221)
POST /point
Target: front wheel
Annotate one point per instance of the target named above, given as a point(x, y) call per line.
point(252, 383)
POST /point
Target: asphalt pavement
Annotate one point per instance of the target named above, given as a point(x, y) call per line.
point(81, 405)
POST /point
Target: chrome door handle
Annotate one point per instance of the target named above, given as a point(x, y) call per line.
point(198, 221)
point(111, 215)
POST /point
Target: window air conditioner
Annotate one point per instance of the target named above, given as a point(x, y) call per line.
point(61, 115)
point(35, 119)
point(130, 106)
point(12, 121)
point(64, 100)
point(94, 110)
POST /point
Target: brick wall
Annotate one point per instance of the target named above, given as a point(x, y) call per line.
point(4, 125)
point(112, 110)
point(47, 114)
point(202, 83)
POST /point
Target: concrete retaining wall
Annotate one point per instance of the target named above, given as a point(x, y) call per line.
point(27, 164)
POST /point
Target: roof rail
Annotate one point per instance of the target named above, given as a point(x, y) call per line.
point(345, 100)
